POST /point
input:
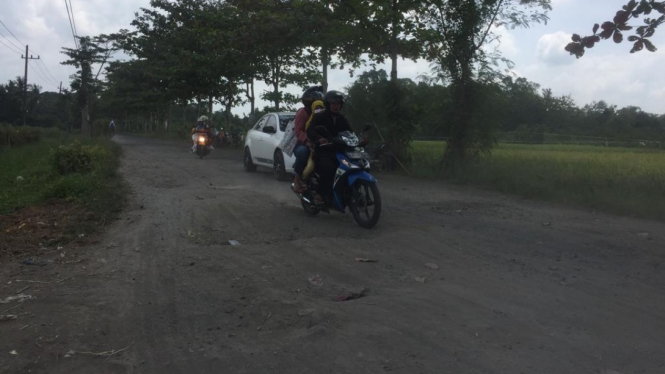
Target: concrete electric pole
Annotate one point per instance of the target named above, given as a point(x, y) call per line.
point(25, 83)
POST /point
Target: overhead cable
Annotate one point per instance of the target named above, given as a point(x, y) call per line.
point(10, 31)
point(71, 25)
point(10, 48)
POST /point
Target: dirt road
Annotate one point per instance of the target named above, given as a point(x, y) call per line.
point(465, 281)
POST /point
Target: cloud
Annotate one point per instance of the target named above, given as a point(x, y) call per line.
point(550, 49)
point(619, 77)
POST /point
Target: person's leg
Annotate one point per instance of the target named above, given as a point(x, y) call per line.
point(301, 153)
point(326, 167)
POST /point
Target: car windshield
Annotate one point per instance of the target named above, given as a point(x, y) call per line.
point(284, 120)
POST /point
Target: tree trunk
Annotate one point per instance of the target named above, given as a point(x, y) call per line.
point(251, 100)
point(168, 117)
point(393, 42)
point(229, 104)
point(325, 60)
point(456, 147)
point(275, 82)
point(184, 115)
point(210, 98)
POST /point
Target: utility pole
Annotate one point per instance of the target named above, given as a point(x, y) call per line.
point(25, 83)
point(60, 89)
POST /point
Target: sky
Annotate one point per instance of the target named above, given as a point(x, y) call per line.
point(607, 72)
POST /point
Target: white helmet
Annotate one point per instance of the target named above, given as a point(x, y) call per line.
point(203, 118)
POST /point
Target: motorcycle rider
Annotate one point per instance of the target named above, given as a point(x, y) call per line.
point(301, 150)
point(325, 126)
point(200, 129)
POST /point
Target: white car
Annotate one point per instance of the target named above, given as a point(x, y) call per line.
point(262, 145)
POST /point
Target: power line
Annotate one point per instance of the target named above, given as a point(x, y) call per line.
point(10, 42)
point(71, 25)
point(48, 71)
point(10, 31)
point(42, 76)
point(71, 8)
point(21, 48)
point(10, 48)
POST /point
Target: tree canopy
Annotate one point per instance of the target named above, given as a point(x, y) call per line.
point(615, 28)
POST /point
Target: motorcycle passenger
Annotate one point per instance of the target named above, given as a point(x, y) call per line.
point(301, 150)
point(317, 107)
point(325, 126)
point(200, 129)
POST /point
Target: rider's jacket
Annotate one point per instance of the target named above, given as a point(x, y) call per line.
point(332, 124)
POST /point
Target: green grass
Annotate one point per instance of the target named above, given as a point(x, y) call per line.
point(101, 190)
point(619, 180)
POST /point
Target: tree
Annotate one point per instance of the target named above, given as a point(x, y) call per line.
point(279, 46)
point(456, 33)
point(88, 53)
point(392, 29)
point(372, 100)
point(614, 29)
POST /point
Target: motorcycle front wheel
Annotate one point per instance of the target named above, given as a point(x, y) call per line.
point(309, 208)
point(365, 203)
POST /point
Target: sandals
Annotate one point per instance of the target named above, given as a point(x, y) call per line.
point(298, 187)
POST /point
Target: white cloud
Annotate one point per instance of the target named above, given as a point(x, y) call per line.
point(550, 48)
point(619, 78)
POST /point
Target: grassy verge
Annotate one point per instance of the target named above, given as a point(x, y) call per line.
point(29, 177)
point(618, 180)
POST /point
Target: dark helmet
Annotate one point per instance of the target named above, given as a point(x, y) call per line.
point(311, 95)
point(332, 96)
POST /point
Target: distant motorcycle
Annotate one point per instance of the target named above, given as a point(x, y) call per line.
point(353, 187)
point(202, 144)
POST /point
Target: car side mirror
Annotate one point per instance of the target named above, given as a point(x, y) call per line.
point(269, 130)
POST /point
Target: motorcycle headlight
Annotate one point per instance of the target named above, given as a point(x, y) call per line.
point(202, 139)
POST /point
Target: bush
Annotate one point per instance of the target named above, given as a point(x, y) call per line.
point(73, 158)
point(18, 135)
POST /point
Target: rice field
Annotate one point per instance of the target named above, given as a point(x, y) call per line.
point(621, 180)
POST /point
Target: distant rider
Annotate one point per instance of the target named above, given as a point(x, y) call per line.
point(112, 127)
point(200, 129)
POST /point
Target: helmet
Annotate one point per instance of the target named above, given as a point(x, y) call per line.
point(311, 95)
point(203, 118)
point(333, 96)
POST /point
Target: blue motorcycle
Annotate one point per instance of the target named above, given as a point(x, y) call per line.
point(353, 187)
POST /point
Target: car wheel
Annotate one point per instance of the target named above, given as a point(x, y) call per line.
point(278, 168)
point(247, 161)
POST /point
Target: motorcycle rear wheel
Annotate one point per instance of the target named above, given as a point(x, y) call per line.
point(365, 203)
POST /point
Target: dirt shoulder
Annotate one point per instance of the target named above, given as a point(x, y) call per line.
point(465, 281)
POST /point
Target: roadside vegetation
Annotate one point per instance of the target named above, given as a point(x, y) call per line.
point(60, 174)
point(613, 179)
